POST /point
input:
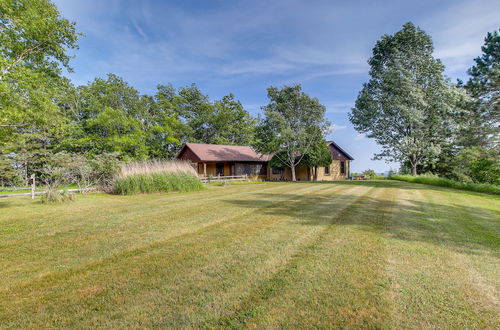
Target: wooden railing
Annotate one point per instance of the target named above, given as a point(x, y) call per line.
point(220, 178)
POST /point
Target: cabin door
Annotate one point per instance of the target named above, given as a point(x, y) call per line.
point(219, 169)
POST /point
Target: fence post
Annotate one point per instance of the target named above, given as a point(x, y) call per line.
point(33, 186)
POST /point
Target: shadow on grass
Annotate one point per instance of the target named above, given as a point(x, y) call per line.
point(401, 185)
point(466, 229)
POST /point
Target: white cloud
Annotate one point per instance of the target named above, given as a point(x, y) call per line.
point(359, 136)
point(335, 128)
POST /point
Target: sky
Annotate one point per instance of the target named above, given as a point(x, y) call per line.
point(243, 47)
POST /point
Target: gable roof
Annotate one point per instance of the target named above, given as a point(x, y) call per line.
point(223, 153)
point(336, 146)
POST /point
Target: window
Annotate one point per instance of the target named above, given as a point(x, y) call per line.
point(342, 167)
point(327, 170)
point(276, 170)
point(219, 169)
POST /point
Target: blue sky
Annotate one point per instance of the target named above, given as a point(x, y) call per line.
point(244, 47)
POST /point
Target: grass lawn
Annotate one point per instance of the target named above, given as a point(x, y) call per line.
point(371, 254)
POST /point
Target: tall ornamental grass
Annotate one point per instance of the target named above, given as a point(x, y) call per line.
point(156, 176)
point(437, 181)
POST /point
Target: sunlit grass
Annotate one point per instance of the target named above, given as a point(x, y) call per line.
point(373, 254)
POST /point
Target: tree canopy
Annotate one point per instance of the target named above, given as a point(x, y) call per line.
point(292, 125)
point(408, 105)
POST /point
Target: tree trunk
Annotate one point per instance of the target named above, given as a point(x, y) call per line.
point(315, 173)
point(292, 168)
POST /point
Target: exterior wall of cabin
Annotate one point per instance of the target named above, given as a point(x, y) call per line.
point(306, 173)
point(334, 171)
point(232, 168)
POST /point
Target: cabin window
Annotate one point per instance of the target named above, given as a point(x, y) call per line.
point(247, 169)
point(327, 170)
point(342, 167)
point(219, 169)
point(276, 170)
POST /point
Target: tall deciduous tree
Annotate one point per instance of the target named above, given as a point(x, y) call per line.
point(219, 122)
point(408, 106)
point(34, 40)
point(291, 125)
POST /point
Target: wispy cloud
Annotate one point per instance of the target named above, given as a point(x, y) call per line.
point(359, 136)
point(335, 128)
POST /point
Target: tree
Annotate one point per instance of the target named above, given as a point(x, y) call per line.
point(219, 122)
point(230, 123)
point(484, 86)
point(408, 106)
point(291, 125)
point(34, 40)
point(109, 116)
point(318, 155)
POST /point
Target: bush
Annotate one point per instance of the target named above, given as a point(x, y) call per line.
point(437, 181)
point(156, 182)
point(156, 176)
point(57, 196)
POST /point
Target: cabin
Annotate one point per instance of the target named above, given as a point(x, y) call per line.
point(227, 160)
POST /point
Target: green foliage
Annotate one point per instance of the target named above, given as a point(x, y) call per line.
point(293, 124)
point(156, 182)
point(476, 164)
point(219, 122)
point(408, 106)
point(318, 155)
point(443, 182)
point(484, 86)
point(34, 40)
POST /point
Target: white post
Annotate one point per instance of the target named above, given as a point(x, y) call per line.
point(33, 186)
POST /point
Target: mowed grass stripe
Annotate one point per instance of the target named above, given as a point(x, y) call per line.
point(186, 252)
point(74, 249)
point(431, 286)
point(206, 222)
point(312, 288)
point(374, 254)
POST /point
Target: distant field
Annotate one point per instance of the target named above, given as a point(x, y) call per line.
point(370, 254)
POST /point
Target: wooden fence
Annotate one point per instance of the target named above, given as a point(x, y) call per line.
point(222, 178)
point(34, 193)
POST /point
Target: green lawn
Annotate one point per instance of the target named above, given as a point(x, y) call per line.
point(371, 254)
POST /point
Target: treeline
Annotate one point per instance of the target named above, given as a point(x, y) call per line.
point(46, 122)
point(109, 118)
point(65, 133)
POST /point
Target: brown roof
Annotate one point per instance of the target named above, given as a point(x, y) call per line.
point(337, 151)
point(226, 153)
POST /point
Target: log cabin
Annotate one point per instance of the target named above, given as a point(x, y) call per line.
point(228, 160)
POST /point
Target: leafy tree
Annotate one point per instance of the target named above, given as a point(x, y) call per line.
point(291, 125)
point(407, 106)
point(166, 132)
point(230, 123)
point(34, 40)
point(219, 122)
point(109, 116)
point(318, 156)
point(484, 86)
point(369, 173)
point(195, 110)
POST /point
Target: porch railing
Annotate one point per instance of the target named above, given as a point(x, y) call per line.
point(219, 178)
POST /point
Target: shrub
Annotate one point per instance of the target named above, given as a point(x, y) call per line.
point(56, 196)
point(437, 181)
point(156, 176)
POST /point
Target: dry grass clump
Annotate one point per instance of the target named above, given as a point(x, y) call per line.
point(156, 176)
point(156, 166)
